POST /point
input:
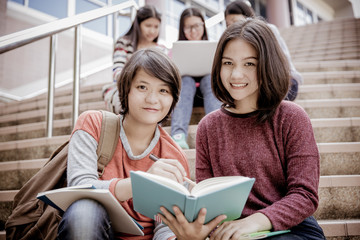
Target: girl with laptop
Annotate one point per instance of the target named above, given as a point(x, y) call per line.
point(192, 28)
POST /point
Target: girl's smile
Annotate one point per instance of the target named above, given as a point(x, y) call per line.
point(238, 85)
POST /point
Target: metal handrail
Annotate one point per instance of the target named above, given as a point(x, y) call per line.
point(21, 38)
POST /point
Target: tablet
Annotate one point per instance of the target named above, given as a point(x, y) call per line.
point(194, 58)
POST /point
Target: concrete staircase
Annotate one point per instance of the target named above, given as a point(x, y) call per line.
point(327, 54)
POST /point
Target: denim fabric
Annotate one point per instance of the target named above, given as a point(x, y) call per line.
point(85, 219)
point(181, 116)
point(293, 91)
point(309, 229)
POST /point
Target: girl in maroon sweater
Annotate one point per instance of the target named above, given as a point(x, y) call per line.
point(256, 134)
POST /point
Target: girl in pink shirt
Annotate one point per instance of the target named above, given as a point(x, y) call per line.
point(149, 87)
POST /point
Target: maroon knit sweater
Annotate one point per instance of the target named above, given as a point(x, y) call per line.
point(280, 154)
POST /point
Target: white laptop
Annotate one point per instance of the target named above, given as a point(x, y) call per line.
point(194, 58)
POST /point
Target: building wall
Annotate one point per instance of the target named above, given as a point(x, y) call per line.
point(24, 71)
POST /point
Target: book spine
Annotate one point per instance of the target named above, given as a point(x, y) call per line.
point(190, 208)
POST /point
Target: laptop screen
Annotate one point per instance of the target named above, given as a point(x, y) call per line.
point(194, 58)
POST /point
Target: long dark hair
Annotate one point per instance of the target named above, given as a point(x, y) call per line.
point(239, 7)
point(190, 12)
point(142, 14)
point(273, 72)
point(156, 64)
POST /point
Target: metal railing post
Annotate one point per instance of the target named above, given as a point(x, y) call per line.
point(115, 26)
point(76, 78)
point(51, 86)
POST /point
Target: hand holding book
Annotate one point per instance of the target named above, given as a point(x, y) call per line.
point(170, 168)
point(222, 195)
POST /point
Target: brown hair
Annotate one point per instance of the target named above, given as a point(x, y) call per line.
point(156, 64)
point(190, 12)
point(239, 7)
point(272, 71)
point(142, 14)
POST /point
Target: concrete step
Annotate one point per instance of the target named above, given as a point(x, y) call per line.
point(336, 129)
point(325, 130)
point(34, 130)
point(337, 47)
point(63, 126)
point(315, 108)
point(331, 108)
point(339, 197)
point(324, 46)
point(320, 38)
point(339, 158)
point(336, 159)
point(60, 112)
point(352, 76)
point(62, 95)
point(86, 97)
point(329, 91)
point(14, 174)
point(330, 57)
point(327, 66)
point(30, 148)
point(341, 229)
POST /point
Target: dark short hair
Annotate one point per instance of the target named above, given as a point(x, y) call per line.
point(143, 13)
point(156, 64)
point(273, 72)
point(239, 7)
point(190, 12)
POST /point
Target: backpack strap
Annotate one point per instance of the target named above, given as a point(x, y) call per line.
point(109, 138)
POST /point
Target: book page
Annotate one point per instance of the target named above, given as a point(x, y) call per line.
point(213, 184)
point(166, 182)
point(121, 220)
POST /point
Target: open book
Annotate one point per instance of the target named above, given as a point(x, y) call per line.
point(219, 195)
point(62, 198)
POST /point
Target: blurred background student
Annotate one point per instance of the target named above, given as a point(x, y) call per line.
point(239, 10)
point(192, 28)
point(143, 33)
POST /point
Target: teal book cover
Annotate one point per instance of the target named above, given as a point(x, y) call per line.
point(219, 195)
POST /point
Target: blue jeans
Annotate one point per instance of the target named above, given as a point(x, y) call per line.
point(85, 219)
point(309, 229)
point(181, 116)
